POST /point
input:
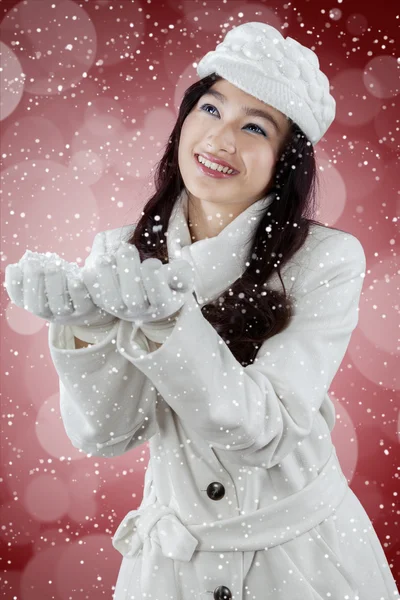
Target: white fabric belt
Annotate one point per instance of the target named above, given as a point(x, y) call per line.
point(159, 532)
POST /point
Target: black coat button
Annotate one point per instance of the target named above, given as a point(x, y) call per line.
point(222, 593)
point(216, 490)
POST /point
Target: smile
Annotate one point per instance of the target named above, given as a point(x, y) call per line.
point(212, 172)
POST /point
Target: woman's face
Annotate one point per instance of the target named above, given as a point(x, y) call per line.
point(251, 144)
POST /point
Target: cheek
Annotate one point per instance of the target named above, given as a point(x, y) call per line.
point(197, 123)
point(263, 160)
point(184, 140)
point(188, 133)
point(191, 138)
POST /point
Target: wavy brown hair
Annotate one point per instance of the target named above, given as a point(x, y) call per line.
point(247, 313)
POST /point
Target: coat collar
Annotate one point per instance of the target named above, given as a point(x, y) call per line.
point(218, 261)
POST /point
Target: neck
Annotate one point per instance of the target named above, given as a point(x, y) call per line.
point(207, 220)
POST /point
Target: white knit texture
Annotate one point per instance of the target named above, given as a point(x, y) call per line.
point(279, 71)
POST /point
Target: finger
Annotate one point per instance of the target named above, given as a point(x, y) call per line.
point(90, 279)
point(98, 249)
point(58, 298)
point(155, 281)
point(35, 298)
point(99, 278)
point(181, 275)
point(133, 291)
point(14, 279)
point(79, 294)
point(109, 285)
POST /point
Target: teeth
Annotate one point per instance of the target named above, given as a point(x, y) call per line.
point(214, 166)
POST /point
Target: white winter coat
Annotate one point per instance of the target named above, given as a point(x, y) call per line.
point(244, 496)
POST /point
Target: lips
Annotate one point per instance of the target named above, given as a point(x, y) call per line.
point(212, 158)
point(213, 173)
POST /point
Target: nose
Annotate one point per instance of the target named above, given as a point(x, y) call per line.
point(222, 139)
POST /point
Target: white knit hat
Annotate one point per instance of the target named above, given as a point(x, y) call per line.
point(279, 71)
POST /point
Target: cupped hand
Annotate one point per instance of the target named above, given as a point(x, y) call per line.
point(53, 289)
point(132, 290)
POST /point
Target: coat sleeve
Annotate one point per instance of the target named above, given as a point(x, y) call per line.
point(107, 405)
point(260, 413)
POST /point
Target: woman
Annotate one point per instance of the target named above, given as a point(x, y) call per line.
point(224, 363)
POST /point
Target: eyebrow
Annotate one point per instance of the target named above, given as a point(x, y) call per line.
point(248, 111)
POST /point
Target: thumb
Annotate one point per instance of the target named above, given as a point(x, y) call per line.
point(181, 275)
point(98, 249)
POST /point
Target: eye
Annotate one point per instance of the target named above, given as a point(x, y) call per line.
point(205, 106)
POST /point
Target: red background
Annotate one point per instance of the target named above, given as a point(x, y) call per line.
point(90, 93)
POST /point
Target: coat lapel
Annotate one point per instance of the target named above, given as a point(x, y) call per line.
point(219, 261)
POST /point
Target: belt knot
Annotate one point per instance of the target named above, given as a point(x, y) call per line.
point(156, 524)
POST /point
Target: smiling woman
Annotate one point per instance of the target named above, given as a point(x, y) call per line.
point(233, 397)
point(279, 166)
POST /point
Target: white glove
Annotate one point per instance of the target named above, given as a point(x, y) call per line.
point(144, 292)
point(53, 289)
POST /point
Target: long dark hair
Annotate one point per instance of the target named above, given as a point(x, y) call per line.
point(248, 312)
